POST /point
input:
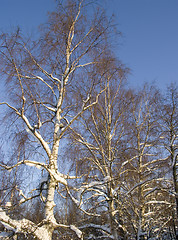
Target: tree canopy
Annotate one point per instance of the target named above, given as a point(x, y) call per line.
point(83, 156)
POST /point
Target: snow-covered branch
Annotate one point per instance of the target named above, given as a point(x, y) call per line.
point(27, 162)
point(23, 226)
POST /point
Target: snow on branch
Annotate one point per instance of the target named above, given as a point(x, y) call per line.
point(49, 108)
point(59, 177)
point(49, 75)
point(174, 158)
point(26, 226)
point(8, 105)
point(158, 202)
point(6, 235)
point(95, 186)
point(77, 231)
point(23, 226)
point(25, 199)
point(27, 162)
point(139, 184)
point(151, 191)
point(37, 135)
point(104, 228)
point(31, 129)
point(34, 77)
point(84, 108)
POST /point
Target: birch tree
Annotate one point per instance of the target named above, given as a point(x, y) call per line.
point(120, 149)
point(169, 140)
point(141, 165)
point(42, 81)
point(148, 203)
point(100, 160)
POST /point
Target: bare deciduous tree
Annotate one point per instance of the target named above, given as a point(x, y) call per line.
point(100, 140)
point(169, 140)
point(42, 81)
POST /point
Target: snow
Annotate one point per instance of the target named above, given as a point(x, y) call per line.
point(97, 186)
point(20, 193)
point(37, 135)
point(150, 191)
point(7, 226)
point(8, 204)
point(96, 183)
point(38, 166)
point(107, 179)
point(174, 158)
point(158, 202)
point(29, 164)
point(22, 201)
point(31, 133)
point(76, 230)
point(77, 202)
point(148, 214)
point(44, 179)
point(19, 225)
point(33, 164)
point(114, 212)
point(105, 228)
point(3, 214)
point(51, 109)
point(115, 191)
point(58, 176)
point(4, 218)
point(60, 179)
point(45, 145)
point(124, 163)
point(5, 234)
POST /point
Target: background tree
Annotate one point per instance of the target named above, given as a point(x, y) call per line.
point(125, 176)
point(168, 139)
point(99, 138)
point(140, 169)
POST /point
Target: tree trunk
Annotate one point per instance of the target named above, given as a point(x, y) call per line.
point(113, 226)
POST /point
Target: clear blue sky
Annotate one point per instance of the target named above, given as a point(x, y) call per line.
point(150, 33)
